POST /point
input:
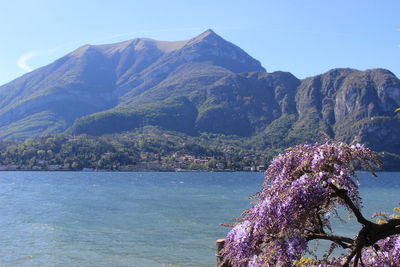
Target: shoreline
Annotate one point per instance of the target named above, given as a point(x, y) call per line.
point(171, 171)
point(149, 170)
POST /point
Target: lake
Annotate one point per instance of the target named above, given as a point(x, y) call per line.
point(135, 219)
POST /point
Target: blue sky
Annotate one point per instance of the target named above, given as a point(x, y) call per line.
point(305, 37)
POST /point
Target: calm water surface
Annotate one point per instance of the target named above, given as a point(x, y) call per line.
point(134, 219)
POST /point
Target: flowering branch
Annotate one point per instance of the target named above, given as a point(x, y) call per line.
point(301, 192)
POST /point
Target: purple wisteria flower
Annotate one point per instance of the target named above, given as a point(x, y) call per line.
point(301, 192)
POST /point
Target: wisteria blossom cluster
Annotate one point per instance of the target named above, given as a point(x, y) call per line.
point(301, 192)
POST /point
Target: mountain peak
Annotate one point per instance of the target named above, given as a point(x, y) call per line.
point(140, 43)
point(208, 34)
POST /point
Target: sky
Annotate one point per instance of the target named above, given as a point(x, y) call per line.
point(304, 37)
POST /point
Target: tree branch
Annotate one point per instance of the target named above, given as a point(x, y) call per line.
point(381, 231)
point(369, 235)
point(342, 193)
point(349, 257)
point(321, 225)
point(343, 241)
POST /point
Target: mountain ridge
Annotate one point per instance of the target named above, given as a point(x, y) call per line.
point(92, 79)
point(201, 85)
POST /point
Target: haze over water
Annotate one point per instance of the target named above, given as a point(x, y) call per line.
point(135, 219)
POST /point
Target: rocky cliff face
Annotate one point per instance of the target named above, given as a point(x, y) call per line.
point(349, 103)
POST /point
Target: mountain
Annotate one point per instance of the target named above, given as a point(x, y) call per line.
point(348, 103)
point(123, 75)
point(202, 85)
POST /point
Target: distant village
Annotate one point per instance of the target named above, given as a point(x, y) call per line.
point(176, 163)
